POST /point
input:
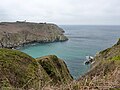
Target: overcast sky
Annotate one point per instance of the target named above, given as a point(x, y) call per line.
point(62, 11)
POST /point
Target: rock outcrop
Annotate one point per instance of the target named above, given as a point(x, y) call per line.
point(14, 34)
point(19, 71)
point(118, 43)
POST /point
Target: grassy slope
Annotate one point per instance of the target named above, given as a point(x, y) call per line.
point(55, 68)
point(105, 71)
point(18, 70)
point(15, 34)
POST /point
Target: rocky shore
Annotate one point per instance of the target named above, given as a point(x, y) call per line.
point(15, 34)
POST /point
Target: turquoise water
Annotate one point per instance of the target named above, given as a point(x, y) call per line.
point(83, 41)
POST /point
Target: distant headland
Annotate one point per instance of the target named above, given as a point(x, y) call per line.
point(15, 34)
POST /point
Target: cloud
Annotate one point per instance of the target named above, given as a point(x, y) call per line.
point(62, 11)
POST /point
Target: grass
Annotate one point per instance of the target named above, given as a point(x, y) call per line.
point(116, 58)
point(19, 70)
point(16, 68)
point(105, 51)
point(55, 68)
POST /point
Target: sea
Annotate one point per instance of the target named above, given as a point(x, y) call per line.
point(84, 40)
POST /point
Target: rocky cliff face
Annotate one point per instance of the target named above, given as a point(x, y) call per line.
point(20, 33)
point(18, 71)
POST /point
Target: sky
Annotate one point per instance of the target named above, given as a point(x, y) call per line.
point(79, 12)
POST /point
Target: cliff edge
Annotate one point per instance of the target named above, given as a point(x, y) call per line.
point(14, 34)
point(105, 71)
point(55, 68)
point(19, 71)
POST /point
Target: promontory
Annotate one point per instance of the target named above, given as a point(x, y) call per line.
point(14, 34)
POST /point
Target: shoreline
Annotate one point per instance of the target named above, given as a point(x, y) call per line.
point(34, 43)
point(18, 34)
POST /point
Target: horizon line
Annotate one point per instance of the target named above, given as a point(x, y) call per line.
point(62, 24)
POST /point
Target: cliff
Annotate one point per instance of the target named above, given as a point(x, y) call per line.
point(104, 73)
point(14, 34)
point(55, 68)
point(20, 71)
point(118, 43)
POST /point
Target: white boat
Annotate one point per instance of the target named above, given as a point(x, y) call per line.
point(89, 57)
point(89, 60)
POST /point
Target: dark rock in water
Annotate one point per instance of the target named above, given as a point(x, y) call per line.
point(89, 61)
point(14, 34)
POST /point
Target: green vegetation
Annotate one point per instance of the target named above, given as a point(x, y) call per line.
point(55, 68)
point(20, 71)
point(116, 58)
point(16, 69)
point(105, 70)
point(28, 32)
point(105, 51)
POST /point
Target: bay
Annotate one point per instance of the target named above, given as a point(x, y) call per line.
point(83, 40)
